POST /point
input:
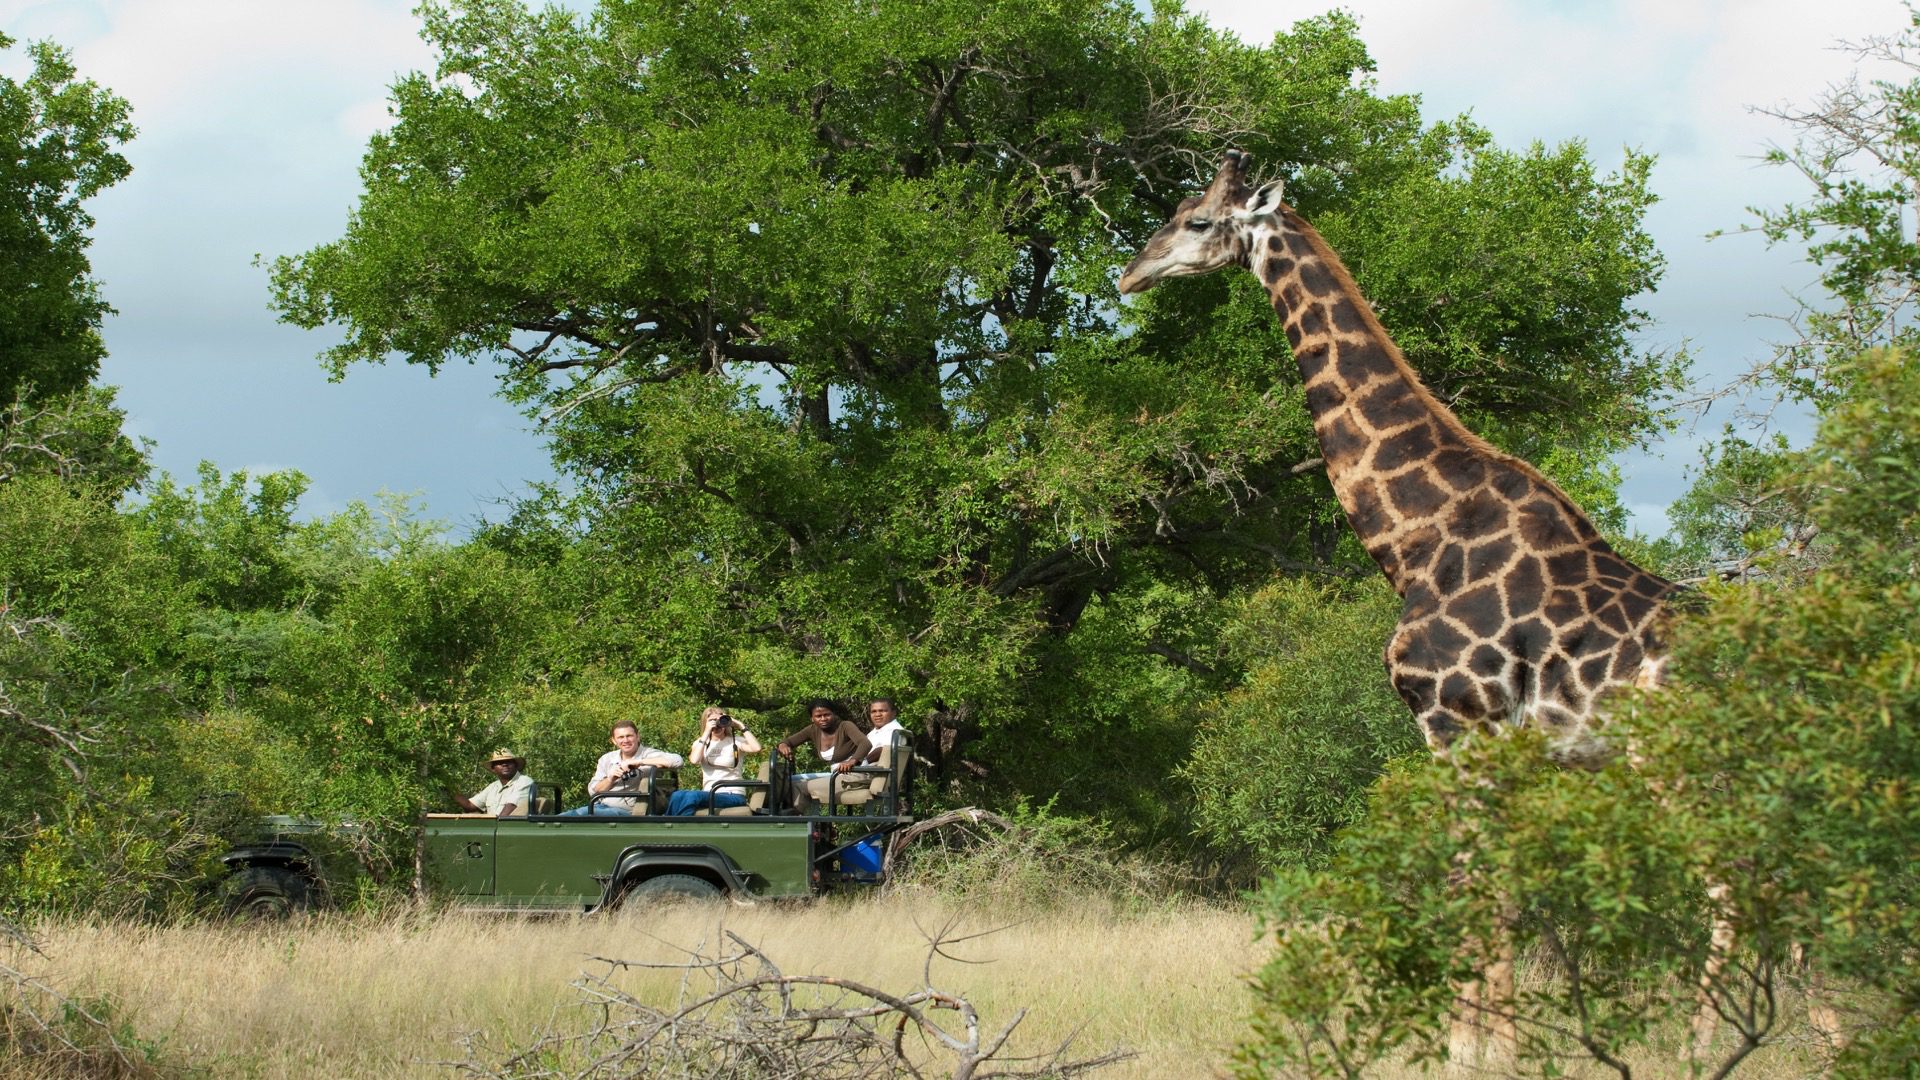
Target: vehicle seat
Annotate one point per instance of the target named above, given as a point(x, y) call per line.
point(882, 776)
point(756, 794)
point(546, 799)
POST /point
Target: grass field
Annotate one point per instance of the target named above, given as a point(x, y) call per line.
point(391, 997)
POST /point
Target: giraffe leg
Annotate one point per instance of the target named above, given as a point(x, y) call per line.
point(1481, 1031)
point(1463, 1032)
point(1706, 1018)
point(1499, 1004)
point(1822, 1017)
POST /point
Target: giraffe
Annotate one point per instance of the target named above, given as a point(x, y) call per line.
point(1516, 612)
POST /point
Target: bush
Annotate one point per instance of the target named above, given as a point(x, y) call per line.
point(1583, 869)
point(113, 855)
point(1034, 859)
point(1285, 760)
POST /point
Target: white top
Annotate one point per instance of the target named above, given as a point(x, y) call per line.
point(611, 762)
point(720, 760)
point(885, 733)
point(518, 791)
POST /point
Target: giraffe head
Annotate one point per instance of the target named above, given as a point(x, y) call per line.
point(1207, 232)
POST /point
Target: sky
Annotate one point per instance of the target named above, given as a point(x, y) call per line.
point(253, 115)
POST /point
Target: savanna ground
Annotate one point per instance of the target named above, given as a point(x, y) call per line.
point(393, 996)
point(415, 994)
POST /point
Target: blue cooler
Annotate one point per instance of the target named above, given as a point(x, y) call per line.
point(863, 857)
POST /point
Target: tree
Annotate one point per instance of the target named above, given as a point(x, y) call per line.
point(58, 135)
point(816, 302)
point(84, 614)
point(1742, 516)
point(1858, 147)
point(74, 436)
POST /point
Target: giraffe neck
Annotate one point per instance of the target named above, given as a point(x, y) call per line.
point(1517, 610)
point(1375, 420)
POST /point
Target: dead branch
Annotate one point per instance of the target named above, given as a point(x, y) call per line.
point(739, 1014)
point(970, 816)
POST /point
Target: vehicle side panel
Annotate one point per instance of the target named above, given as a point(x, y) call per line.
point(554, 863)
point(460, 853)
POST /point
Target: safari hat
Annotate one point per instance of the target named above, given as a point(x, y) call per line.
point(507, 755)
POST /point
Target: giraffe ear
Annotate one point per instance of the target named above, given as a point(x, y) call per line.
point(1265, 200)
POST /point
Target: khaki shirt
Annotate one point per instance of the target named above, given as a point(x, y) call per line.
point(518, 791)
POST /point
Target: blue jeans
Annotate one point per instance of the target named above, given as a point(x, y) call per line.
point(598, 809)
point(686, 802)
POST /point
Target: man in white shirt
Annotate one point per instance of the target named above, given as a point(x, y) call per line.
point(883, 720)
point(510, 794)
point(623, 768)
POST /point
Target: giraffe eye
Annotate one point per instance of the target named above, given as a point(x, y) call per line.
point(1199, 224)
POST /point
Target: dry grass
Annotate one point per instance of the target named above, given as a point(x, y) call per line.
point(391, 997)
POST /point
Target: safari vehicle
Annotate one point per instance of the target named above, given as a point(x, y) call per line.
point(552, 862)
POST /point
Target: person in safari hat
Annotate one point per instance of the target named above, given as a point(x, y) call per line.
point(509, 795)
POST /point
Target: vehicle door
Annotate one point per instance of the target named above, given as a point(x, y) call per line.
point(560, 861)
point(460, 853)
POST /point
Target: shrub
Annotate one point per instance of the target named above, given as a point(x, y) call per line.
point(1285, 760)
point(1034, 859)
point(115, 855)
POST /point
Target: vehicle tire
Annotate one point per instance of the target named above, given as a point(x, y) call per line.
point(267, 892)
point(672, 887)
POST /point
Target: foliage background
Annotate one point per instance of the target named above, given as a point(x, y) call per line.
point(816, 303)
point(817, 306)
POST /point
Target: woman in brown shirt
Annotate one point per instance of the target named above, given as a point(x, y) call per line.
point(839, 742)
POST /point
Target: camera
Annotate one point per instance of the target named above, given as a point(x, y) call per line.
point(722, 722)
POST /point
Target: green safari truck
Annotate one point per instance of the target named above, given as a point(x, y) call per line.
point(554, 862)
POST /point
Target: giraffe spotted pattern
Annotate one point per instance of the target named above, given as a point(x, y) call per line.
point(1516, 610)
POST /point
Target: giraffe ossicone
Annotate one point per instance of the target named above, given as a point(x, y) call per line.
point(1516, 611)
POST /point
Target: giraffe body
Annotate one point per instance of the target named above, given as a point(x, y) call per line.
point(1516, 611)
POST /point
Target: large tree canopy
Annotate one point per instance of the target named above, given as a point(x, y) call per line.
point(58, 135)
point(816, 301)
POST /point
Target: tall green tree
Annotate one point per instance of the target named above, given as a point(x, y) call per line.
point(816, 302)
point(59, 135)
point(1857, 145)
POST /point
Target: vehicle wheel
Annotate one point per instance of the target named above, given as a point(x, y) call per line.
point(673, 887)
point(267, 892)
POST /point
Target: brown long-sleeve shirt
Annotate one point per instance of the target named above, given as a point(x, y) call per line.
point(845, 741)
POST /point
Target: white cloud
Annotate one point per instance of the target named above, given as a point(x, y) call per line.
point(254, 115)
point(200, 63)
point(1678, 79)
